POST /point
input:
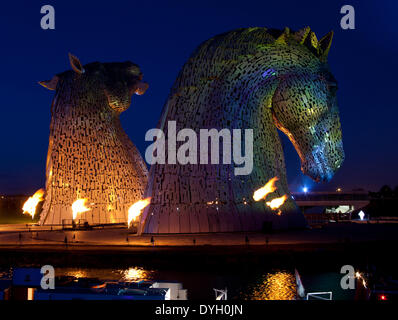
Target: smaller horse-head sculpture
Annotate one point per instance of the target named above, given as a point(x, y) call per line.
point(89, 154)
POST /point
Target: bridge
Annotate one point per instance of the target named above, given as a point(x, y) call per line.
point(353, 199)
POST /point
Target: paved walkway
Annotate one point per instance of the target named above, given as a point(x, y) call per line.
point(20, 235)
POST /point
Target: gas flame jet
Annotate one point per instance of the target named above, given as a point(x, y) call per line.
point(79, 206)
point(277, 202)
point(267, 189)
point(136, 209)
point(31, 204)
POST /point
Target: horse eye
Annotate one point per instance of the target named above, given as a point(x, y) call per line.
point(134, 70)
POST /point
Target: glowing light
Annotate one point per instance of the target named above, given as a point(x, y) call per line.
point(338, 190)
point(383, 297)
point(277, 202)
point(135, 274)
point(79, 206)
point(268, 188)
point(99, 286)
point(31, 204)
point(136, 209)
point(359, 277)
point(275, 286)
point(361, 215)
point(76, 273)
point(305, 189)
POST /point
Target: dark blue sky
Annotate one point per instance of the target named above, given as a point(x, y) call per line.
point(159, 36)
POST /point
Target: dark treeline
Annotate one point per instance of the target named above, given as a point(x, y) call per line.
point(383, 203)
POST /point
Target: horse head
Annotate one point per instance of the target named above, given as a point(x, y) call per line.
point(117, 81)
point(304, 104)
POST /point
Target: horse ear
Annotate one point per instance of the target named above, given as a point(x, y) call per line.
point(283, 37)
point(75, 64)
point(324, 45)
point(50, 84)
point(302, 34)
point(311, 41)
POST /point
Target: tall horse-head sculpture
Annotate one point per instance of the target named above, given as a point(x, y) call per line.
point(260, 79)
point(89, 154)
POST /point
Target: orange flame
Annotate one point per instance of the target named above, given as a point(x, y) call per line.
point(264, 191)
point(79, 206)
point(277, 202)
point(30, 205)
point(136, 209)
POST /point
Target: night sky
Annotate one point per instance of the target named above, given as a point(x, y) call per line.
point(159, 36)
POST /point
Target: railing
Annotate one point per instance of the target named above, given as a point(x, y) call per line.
point(69, 222)
point(330, 196)
point(319, 295)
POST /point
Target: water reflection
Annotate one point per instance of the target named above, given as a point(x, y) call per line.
point(270, 285)
point(129, 274)
point(5, 273)
point(279, 285)
point(135, 274)
point(76, 273)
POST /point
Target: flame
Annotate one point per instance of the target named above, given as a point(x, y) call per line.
point(79, 206)
point(30, 205)
point(136, 209)
point(277, 202)
point(264, 191)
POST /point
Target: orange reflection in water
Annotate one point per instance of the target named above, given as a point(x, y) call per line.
point(77, 273)
point(136, 274)
point(279, 285)
point(130, 274)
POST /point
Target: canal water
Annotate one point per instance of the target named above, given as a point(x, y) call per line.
point(273, 284)
point(246, 273)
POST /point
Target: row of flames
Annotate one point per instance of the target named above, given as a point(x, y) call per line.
point(80, 206)
point(135, 210)
point(268, 188)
